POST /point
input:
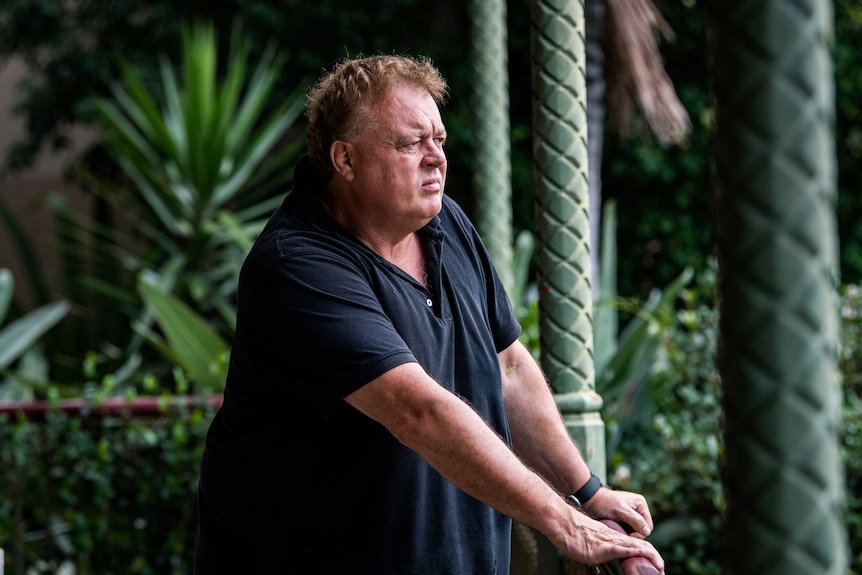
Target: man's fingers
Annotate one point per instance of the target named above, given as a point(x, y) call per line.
point(637, 517)
point(649, 563)
point(642, 508)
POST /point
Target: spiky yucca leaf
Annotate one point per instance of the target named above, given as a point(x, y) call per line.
point(208, 141)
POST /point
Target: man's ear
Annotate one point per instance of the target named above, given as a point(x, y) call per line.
point(340, 156)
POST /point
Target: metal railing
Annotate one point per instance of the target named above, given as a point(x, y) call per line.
point(135, 407)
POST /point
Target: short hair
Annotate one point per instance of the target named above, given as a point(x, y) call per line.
point(338, 103)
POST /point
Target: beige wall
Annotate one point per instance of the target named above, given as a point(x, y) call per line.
point(26, 193)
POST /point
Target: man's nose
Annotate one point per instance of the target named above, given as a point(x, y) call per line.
point(434, 154)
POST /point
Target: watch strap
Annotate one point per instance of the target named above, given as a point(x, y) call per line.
point(580, 497)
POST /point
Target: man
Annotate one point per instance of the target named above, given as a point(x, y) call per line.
point(376, 377)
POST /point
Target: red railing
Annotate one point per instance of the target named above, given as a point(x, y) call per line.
point(113, 406)
point(630, 566)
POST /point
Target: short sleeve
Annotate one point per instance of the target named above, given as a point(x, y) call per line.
point(319, 329)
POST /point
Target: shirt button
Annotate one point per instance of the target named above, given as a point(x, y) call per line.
point(429, 302)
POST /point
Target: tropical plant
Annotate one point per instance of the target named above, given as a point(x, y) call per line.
point(524, 301)
point(674, 454)
point(17, 343)
point(624, 359)
point(189, 342)
point(194, 168)
point(205, 169)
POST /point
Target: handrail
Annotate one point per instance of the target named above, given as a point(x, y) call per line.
point(112, 406)
point(630, 566)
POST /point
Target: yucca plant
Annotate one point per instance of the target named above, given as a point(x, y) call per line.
point(204, 163)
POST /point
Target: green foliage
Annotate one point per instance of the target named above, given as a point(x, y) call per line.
point(196, 166)
point(107, 496)
point(665, 195)
point(673, 455)
point(624, 360)
point(525, 302)
point(205, 170)
point(851, 370)
point(18, 340)
point(622, 380)
point(848, 135)
point(191, 342)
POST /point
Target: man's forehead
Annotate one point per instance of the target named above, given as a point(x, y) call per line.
point(408, 114)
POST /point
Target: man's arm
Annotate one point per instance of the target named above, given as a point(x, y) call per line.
point(458, 443)
point(540, 438)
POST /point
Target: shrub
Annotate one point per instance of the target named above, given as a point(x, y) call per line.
point(101, 495)
point(675, 458)
point(851, 370)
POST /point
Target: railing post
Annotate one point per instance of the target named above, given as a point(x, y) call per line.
point(776, 168)
point(562, 219)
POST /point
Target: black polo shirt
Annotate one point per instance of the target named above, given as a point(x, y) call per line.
point(293, 479)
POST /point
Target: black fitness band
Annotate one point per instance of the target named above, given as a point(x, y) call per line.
point(580, 497)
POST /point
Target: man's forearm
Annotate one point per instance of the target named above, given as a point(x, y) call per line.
point(539, 435)
point(461, 446)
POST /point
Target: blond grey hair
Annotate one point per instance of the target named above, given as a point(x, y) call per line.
point(340, 102)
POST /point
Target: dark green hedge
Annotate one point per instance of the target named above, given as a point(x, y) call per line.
point(108, 495)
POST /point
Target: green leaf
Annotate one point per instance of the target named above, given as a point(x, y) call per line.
point(235, 230)
point(639, 341)
point(194, 344)
point(174, 121)
point(259, 88)
point(142, 108)
point(7, 287)
point(522, 256)
point(606, 319)
point(18, 336)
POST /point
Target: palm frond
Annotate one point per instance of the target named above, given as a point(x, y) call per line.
point(641, 95)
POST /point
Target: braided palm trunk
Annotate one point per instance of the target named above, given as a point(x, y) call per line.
point(775, 160)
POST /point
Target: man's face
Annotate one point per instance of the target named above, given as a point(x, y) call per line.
point(398, 161)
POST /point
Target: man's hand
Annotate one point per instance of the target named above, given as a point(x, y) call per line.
point(592, 543)
point(622, 507)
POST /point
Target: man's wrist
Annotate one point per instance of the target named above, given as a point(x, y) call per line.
point(580, 497)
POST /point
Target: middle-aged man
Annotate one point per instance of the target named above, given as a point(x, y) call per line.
point(380, 415)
